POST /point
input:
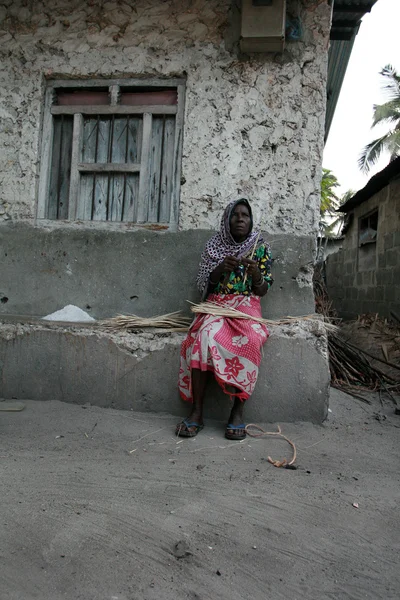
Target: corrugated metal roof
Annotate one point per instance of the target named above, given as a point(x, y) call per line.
point(346, 19)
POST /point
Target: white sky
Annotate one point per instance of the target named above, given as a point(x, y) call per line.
point(377, 44)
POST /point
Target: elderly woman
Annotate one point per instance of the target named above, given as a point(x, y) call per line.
point(235, 271)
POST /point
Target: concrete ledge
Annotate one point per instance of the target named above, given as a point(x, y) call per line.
point(139, 371)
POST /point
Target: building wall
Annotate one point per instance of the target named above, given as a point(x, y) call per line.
point(253, 125)
point(357, 287)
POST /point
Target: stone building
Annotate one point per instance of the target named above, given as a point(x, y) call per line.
point(126, 127)
point(364, 276)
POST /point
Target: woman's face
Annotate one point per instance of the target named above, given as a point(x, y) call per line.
point(240, 223)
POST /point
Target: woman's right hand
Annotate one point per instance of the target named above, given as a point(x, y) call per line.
point(229, 264)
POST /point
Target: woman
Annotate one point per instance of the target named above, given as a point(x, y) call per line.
point(235, 271)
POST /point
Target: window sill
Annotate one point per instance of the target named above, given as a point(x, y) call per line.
point(104, 225)
point(367, 243)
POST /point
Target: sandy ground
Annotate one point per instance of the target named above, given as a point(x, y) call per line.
point(94, 502)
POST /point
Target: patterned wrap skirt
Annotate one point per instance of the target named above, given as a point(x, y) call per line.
point(229, 347)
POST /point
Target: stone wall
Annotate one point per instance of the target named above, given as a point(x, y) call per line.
point(253, 125)
point(357, 287)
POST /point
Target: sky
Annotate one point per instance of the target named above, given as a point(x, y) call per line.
point(377, 44)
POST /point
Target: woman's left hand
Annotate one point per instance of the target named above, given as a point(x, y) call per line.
point(252, 269)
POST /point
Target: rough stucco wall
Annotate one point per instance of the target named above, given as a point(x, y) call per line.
point(253, 126)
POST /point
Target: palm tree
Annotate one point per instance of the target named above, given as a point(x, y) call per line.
point(331, 222)
point(329, 200)
point(389, 114)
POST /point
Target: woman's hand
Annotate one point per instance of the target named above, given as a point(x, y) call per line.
point(252, 270)
point(229, 264)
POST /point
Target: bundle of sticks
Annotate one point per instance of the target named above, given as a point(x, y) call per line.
point(350, 367)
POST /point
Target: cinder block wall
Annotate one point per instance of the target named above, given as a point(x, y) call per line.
point(355, 289)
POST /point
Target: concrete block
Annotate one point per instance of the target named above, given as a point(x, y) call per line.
point(363, 294)
point(368, 307)
point(396, 239)
point(396, 274)
point(381, 260)
point(388, 241)
point(391, 293)
point(384, 277)
point(80, 366)
point(351, 255)
point(393, 257)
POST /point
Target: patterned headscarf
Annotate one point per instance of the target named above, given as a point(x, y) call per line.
point(222, 244)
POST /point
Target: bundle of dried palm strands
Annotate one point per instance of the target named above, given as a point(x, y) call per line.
point(170, 322)
point(213, 308)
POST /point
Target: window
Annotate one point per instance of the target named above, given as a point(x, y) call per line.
point(368, 229)
point(111, 151)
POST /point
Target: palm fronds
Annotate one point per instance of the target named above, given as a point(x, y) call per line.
point(174, 321)
point(372, 153)
point(329, 200)
point(212, 308)
point(387, 114)
point(393, 81)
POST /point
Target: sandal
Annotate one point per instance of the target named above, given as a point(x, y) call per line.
point(182, 429)
point(235, 432)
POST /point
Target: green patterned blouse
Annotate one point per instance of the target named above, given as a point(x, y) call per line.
point(233, 282)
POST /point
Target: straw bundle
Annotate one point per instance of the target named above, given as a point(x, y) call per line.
point(170, 322)
point(212, 308)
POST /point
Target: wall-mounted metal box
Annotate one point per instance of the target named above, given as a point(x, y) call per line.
point(263, 25)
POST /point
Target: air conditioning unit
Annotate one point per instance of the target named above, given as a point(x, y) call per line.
point(263, 25)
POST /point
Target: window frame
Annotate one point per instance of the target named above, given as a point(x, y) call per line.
point(51, 109)
point(367, 216)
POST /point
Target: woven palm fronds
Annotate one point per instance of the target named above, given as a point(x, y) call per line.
point(174, 321)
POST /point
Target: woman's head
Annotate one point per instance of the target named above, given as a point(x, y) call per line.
point(237, 221)
point(240, 220)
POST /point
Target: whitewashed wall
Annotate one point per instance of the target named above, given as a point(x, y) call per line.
point(253, 126)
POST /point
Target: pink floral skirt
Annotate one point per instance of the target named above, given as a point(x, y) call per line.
point(230, 348)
